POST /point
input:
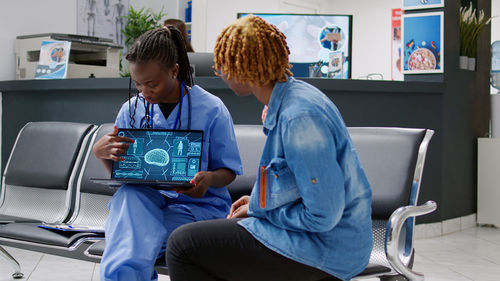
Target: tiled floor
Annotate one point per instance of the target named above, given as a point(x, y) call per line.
point(471, 254)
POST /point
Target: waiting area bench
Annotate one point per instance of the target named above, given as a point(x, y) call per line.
point(51, 163)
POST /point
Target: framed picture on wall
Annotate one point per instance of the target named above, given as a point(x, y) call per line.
point(422, 4)
point(423, 45)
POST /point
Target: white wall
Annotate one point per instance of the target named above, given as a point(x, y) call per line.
point(24, 17)
point(495, 22)
point(495, 29)
point(371, 50)
point(211, 16)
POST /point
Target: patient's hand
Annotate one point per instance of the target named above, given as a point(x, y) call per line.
point(239, 209)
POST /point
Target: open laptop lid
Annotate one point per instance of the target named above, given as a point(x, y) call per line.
point(160, 155)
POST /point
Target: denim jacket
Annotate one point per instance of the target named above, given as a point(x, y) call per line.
point(311, 201)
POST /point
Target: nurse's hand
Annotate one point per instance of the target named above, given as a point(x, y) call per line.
point(239, 209)
point(201, 181)
point(111, 145)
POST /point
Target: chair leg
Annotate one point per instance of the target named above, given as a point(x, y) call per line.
point(399, 277)
point(17, 268)
point(393, 278)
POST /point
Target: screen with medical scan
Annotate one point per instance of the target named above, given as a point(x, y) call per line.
point(165, 155)
point(315, 39)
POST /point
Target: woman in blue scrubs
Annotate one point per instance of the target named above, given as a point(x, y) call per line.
point(141, 218)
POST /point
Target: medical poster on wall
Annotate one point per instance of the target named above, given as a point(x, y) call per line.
point(396, 73)
point(53, 61)
point(422, 4)
point(422, 43)
point(102, 19)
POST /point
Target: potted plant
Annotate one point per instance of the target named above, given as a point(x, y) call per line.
point(138, 22)
point(470, 27)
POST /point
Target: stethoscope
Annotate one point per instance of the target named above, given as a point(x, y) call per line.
point(147, 120)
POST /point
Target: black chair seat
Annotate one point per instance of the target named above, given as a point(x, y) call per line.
point(374, 269)
point(30, 232)
point(97, 249)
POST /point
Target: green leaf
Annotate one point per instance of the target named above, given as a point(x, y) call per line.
point(140, 21)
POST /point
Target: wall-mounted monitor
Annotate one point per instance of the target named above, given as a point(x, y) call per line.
point(314, 39)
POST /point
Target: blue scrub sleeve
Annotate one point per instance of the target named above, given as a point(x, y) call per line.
point(224, 151)
point(122, 119)
point(310, 152)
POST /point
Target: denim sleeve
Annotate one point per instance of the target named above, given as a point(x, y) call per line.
point(224, 151)
point(311, 154)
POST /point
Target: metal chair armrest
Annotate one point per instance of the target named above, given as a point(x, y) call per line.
point(393, 231)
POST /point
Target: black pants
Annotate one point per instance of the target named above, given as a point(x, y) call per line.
point(223, 250)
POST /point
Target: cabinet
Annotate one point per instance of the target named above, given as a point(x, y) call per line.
point(488, 181)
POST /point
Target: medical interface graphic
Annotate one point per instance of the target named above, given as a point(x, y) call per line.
point(160, 155)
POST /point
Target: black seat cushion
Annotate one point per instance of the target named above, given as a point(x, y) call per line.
point(388, 156)
point(97, 249)
point(251, 140)
point(51, 148)
point(374, 269)
point(93, 168)
point(32, 233)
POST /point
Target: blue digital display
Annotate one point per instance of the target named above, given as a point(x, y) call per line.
point(165, 155)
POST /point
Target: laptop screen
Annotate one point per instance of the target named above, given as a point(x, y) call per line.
point(157, 154)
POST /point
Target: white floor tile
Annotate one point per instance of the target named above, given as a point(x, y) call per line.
point(27, 259)
point(60, 268)
point(471, 254)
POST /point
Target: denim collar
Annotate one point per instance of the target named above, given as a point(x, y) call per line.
point(277, 95)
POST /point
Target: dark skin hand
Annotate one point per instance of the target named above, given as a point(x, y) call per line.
point(109, 147)
point(203, 179)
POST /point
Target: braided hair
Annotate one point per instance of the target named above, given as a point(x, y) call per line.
point(253, 51)
point(166, 46)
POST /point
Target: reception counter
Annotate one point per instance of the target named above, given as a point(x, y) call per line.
point(450, 173)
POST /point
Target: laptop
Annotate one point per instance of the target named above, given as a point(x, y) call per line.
point(161, 158)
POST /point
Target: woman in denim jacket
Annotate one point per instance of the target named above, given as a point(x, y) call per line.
point(309, 214)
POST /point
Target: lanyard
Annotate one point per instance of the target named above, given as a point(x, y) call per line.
point(151, 117)
point(178, 118)
point(149, 114)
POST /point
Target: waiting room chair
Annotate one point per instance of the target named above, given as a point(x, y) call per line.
point(39, 177)
point(393, 160)
point(250, 139)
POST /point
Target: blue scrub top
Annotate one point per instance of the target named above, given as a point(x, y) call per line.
point(220, 150)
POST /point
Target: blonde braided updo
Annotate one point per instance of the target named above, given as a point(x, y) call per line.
point(252, 51)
